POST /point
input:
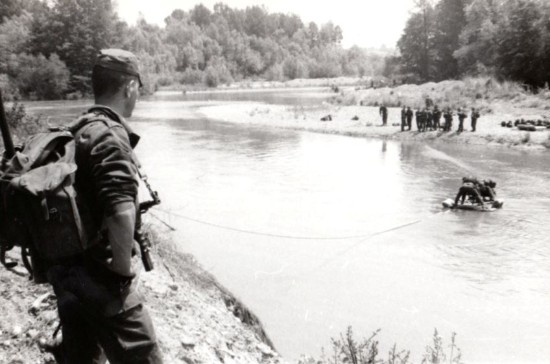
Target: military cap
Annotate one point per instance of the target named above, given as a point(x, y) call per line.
point(120, 61)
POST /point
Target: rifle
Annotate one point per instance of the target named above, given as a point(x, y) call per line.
point(140, 236)
point(6, 136)
point(7, 155)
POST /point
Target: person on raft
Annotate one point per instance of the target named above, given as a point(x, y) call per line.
point(487, 190)
point(470, 188)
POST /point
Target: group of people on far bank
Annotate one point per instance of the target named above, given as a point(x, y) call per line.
point(432, 119)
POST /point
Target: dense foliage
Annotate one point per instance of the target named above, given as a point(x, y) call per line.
point(509, 39)
point(54, 44)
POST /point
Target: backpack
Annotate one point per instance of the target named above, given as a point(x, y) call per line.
point(39, 206)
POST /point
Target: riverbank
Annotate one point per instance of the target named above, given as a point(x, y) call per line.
point(364, 121)
point(272, 85)
point(196, 319)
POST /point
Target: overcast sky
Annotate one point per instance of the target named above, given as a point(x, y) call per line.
point(366, 23)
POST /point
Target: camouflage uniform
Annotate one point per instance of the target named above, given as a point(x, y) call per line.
point(101, 314)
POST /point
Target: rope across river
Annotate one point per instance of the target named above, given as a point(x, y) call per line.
point(282, 236)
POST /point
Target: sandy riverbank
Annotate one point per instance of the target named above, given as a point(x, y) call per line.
point(197, 320)
point(489, 131)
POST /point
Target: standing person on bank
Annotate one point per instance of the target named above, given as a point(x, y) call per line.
point(100, 312)
point(428, 125)
point(419, 119)
point(403, 118)
point(409, 114)
point(461, 117)
point(448, 116)
point(384, 113)
point(474, 116)
point(436, 117)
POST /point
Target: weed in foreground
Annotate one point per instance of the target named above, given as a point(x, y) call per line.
point(21, 124)
point(346, 349)
point(435, 353)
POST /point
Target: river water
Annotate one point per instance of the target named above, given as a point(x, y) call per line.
point(317, 232)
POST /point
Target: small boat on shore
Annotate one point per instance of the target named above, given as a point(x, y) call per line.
point(489, 205)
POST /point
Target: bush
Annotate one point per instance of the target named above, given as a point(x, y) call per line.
point(20, 123)
point(274, 73)
point(217, 73)
point(211, 77)
point(38, 77)
point(346, 349)
point(294, 68)
point(9, 89)
point(165, 80)
point(191, 76)
point(150, 83)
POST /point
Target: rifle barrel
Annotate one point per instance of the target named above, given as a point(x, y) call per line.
point(6, 136)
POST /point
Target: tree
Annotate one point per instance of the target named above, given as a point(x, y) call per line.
point(75, 30)
point(201, 15)
point(330, 34)
point(478, 40)
point(256, 21)
point(15, 34)
point(450, 21)
point(519, 44)
point(39, 77)
point(416, 43)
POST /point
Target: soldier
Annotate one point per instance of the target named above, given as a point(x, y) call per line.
point(468, 189)
point(474, 116)
point(100, 312)
point(461, 116)
point(384, 113)
point(429, 119)
point(403, 118)
point(419, 120)
point(409, 115)
point(448, 116)
point(436, 117)
point(487, 190)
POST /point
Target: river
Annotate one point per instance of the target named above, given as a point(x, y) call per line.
point(317, 232)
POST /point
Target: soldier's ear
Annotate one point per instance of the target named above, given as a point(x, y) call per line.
point(129, 87)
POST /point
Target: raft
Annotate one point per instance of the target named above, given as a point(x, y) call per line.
point(489, 206)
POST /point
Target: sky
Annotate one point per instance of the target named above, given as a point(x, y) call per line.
point(366, 23)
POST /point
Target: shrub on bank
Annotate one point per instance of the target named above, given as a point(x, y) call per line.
point(191, 77)
point(38, 77)
point(469, 92)
point(10, 92)
point(348, 349)
point(20, 123)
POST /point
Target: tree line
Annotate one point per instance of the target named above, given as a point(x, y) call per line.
point(450, 39)
point(47, 49)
